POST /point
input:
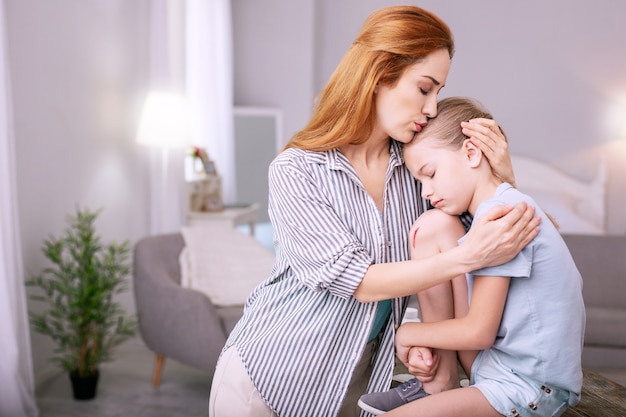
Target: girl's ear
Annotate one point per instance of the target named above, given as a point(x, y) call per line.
point(473, 153)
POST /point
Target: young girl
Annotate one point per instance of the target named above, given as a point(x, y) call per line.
point(520, 338)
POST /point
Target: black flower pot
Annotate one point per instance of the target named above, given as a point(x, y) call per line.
point(84, 387)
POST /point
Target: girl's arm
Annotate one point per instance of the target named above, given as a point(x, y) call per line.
point(476, 331)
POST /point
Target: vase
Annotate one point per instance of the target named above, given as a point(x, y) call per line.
point(84, 387)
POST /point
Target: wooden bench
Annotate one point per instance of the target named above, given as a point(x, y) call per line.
point(601, 397)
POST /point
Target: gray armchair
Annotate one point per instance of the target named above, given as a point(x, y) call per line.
point(176, 322)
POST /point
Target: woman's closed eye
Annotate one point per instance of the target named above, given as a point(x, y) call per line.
point(425, 87)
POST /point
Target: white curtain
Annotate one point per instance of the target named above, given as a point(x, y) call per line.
point(167, 178)
point(17, 394)
point(209, 84)
point(191, 52)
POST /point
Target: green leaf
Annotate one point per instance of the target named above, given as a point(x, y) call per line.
point(82, 318)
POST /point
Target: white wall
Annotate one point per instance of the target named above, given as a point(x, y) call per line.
point(547, 70)
point(78, 80)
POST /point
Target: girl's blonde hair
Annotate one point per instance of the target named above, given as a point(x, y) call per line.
point(446, 127)
point(451, 111)
point(390, 40)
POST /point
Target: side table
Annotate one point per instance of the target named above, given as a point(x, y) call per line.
point(234, 215)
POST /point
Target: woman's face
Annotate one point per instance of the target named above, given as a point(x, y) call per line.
point(403, 110)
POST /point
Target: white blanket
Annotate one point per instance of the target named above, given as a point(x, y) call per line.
point(223, 262)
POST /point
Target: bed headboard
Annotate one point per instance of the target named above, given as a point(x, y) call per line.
point(578, 207)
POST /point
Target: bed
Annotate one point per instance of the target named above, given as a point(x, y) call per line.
point(577, 206)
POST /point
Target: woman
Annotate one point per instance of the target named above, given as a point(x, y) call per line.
point(341, 202)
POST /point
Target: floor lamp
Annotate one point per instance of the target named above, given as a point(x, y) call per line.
point(164, 124)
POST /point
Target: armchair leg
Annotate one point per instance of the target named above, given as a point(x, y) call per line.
point(158, 368)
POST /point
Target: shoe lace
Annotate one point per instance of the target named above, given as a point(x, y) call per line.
point(405, 386)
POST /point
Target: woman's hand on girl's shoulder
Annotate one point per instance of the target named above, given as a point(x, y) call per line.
point(501, 233)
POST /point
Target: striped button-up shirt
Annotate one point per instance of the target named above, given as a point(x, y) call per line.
point(302, 332)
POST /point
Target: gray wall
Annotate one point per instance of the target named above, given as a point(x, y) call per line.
point(274, 42)
point(549, 71)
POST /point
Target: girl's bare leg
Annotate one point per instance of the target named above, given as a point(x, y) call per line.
point(467, 402)
point(432, 233)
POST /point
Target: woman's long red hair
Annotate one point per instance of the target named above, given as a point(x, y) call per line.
point(390, 40)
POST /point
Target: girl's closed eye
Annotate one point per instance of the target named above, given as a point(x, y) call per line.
point(423, 177)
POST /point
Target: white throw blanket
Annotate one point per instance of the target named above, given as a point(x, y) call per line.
point(223, 263)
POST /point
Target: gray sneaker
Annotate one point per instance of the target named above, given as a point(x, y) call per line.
point(380, 402)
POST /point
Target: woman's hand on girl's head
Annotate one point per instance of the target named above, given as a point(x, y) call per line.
point(486, 134)
point(500, 234)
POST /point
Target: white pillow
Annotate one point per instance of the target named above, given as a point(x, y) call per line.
point(223, 262)
point(563, 208)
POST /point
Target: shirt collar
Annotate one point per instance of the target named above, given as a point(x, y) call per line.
point(337, 161)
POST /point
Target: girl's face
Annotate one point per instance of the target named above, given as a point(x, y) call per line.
point(447, 175)
point(403, 109)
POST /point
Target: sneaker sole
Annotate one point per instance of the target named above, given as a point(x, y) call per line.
point(369, 408)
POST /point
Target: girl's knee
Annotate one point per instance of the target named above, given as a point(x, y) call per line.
point(435, 226)
point(435, 221)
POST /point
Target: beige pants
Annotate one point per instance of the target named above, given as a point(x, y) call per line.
point(234, 394)
point(232, 391)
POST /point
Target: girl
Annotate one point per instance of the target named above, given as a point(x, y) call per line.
point(520, 339)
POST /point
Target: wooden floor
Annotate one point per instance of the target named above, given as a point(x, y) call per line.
point(125, 390)
point(601, 397)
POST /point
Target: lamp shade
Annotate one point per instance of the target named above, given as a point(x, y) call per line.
point(164, 121)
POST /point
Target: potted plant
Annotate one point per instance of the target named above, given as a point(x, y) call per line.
point(82, 317)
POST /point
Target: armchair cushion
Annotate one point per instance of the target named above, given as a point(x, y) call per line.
point(223, 263)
